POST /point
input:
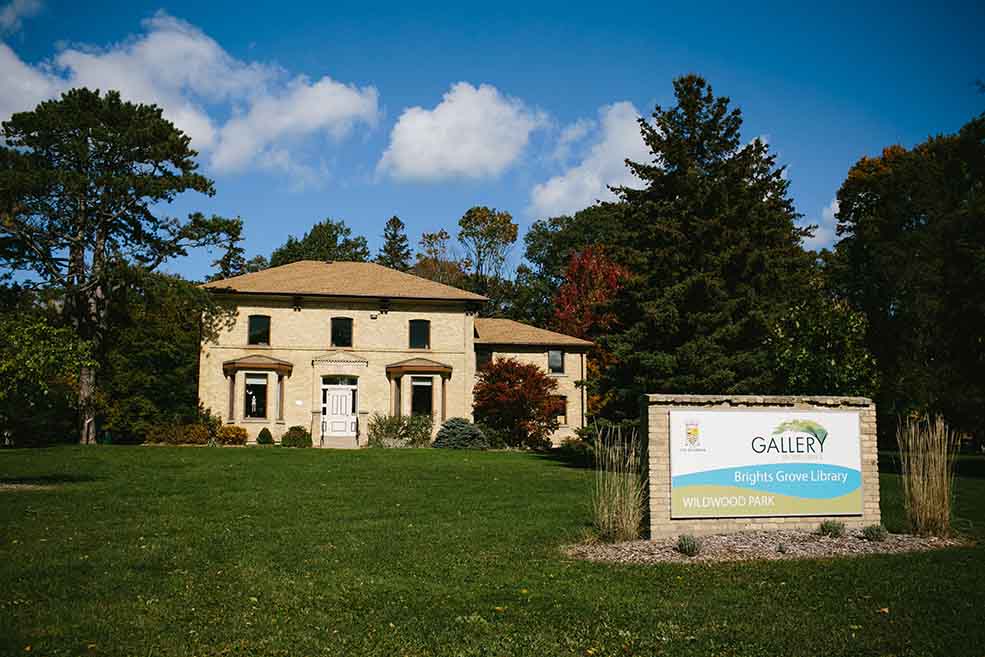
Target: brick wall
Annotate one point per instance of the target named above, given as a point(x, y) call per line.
point(656, 421)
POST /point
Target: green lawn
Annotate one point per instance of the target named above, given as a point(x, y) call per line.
point(197, 551)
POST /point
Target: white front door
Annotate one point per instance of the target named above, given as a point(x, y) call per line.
point(338, 417)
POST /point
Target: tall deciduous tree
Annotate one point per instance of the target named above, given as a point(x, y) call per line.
point(150, 372)
point(487, 235)
point(583, 307)
point(437, 261)
point(395, 252)
point(82, 182)
point(715, 255)
point(912, 259)
point(327, 240)
point(550, 244)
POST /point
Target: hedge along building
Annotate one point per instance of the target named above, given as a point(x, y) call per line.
point(325, 345)
point(726, 463)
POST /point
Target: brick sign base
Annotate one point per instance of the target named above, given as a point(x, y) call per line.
point(656, 424)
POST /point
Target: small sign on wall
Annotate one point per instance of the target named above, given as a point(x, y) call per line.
point(736, 463)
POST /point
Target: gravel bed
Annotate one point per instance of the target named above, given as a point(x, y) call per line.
point(758, 545)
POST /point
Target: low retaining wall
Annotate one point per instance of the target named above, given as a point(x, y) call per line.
point(656, 420)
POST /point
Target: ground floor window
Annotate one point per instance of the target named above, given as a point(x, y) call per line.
point(422, 395)
point(562, 414)
point(255, 403)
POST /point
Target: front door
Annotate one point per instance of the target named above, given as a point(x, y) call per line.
point(338, 413)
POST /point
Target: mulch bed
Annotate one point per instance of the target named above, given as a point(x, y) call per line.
point(756, 546)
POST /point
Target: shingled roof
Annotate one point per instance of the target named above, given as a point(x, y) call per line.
point(342, 279)
point(506, 331)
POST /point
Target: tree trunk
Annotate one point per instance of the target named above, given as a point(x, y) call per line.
point(87, 408)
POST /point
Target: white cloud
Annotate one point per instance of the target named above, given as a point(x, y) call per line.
point(824, 235)
point(197, 83)
point(302, 108)
point(580, 185)
point(571, 135)
point(472, 133)
point(12, 13)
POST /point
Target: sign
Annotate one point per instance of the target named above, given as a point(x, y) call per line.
point(754, 463)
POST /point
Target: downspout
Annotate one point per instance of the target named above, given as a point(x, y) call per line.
point(584, 394)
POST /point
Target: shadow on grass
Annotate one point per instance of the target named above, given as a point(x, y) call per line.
point(46, 480)
point(568, 458)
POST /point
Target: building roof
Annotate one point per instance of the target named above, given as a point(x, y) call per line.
point(342, 279)
point(507, 331)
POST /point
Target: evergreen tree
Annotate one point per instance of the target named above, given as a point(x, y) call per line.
point(83, 180)
point(327, 240)
point(395, 252)
point(714, 254)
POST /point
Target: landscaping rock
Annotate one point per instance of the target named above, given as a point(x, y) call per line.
point(758, 545)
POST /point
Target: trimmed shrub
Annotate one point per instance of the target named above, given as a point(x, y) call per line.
point(875, 533)
point(495, 438)
point(265, 437)
point(162, 434)
point(459, 433)
point(832, 528)
point(403, 431)
point(576, 452)
point(688, 545)
point(296, 436)
point(230, 434)
point(194, 434)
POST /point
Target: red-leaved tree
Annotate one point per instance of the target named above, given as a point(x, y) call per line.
point(517, 399)
point(583, 308)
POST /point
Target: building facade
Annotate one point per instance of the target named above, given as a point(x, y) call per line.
point(325, 345)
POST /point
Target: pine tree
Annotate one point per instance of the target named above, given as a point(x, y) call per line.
point(395, 252)
point(715, 255)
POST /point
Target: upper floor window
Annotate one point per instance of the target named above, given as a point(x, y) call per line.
point(555, 361)
point(259, 330)
point(341, 332)
point(420, 334)
point(482, 358)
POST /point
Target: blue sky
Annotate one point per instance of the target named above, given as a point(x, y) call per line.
point(361, 111)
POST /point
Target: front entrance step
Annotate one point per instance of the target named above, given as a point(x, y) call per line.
point(337, 443)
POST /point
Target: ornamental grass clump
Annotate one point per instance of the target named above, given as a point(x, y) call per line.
point(927, 448)
point(875, 533)
point(832, 528)
point(688, 545)
point(618, 495)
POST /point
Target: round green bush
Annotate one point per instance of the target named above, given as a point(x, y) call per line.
point(459, 433)
point(296, 436)
point(265, 437)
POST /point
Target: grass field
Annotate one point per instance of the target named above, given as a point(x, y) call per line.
point(196, 551)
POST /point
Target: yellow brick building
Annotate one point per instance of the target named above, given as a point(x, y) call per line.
point(325, 345)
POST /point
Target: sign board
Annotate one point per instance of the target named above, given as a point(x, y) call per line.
point(737, 463)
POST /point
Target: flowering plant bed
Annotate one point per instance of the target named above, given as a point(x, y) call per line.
point(756, 546)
